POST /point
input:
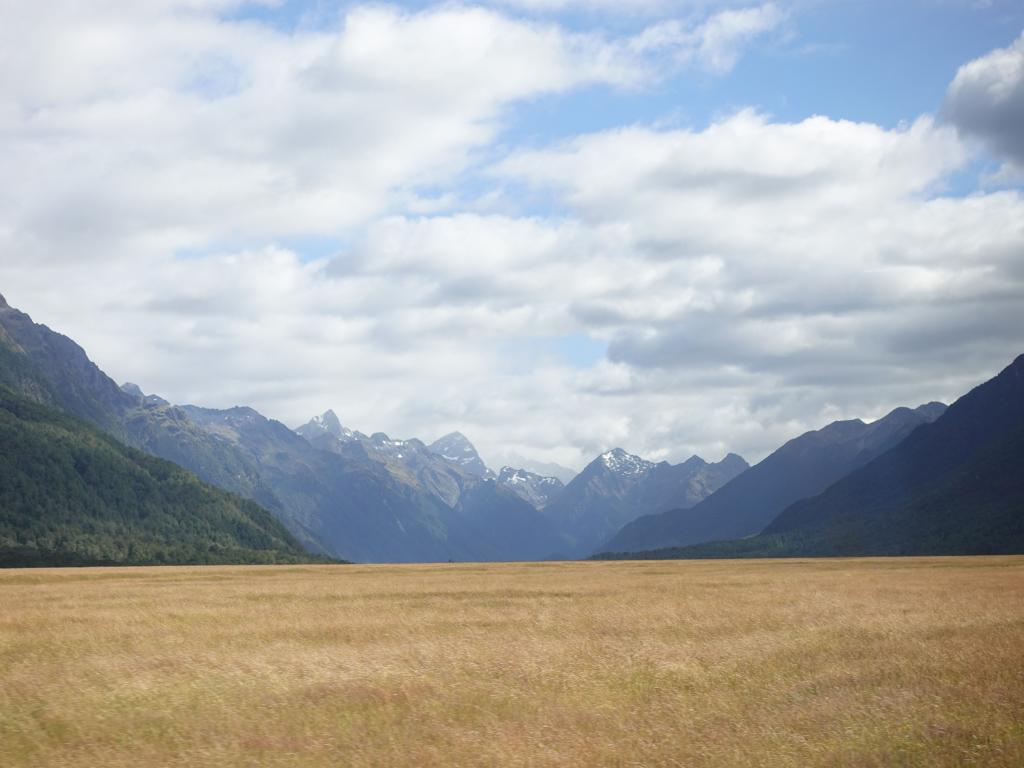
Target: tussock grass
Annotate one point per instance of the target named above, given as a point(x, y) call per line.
point(710, 663)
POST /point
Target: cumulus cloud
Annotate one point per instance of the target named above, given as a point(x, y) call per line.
point(813, 257)
point(229, 214)
point(139, 128)
point(705, 34)
point(986, 101)
point(632, 8)
point(723, 35)
point(752, 280)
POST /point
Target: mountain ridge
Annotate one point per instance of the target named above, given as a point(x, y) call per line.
point(617, 487)
point(71, 494)
point(801, 467)
point(951, 487)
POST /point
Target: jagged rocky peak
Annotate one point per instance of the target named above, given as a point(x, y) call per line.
point(542, 468)
point(243, 412)
point(511, 475)
point(381, 440)
point(236, 415)
point(3, 302)
point(538, 490)
point(326, 423)
point(329, 421)
point(734, 461)
point(456, 448)
point(622, 463)
point(693, 461)
point(133, 389)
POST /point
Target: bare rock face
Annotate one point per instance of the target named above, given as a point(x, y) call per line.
point(618, 487)
point(540, 491)
point(801, 468)
point(456, 448)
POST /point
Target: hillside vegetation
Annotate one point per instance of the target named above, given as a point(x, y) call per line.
point(72, 495)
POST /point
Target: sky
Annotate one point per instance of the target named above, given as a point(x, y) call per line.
point(558, 226)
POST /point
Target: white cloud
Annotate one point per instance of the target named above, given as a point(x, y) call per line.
point(751, 279)
point(145, 130)
point(986, 101)
point(139, 129)
point(712, 35)
point(723, 35)
point(630, 8)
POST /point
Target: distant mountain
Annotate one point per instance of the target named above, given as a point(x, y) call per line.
point(341, 505)
point(135, 391)
point(803, 467)
point(73, 495)
point(537, 490)
point(329, 425)
point(339, 492)
point(542, 468)
point(669, 486)
point(374, 498)
point(442, 468)
point(952, 487)
point(475, 517)
point(53, 369)
point(457, 449)
point(59, 372)
point(617, 487)
point(503, 526)
point(408, 462)
point(358, 503)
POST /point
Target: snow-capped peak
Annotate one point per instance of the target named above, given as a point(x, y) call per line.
point(622, 463)
point(456, 448)
point(535, 489)
point(326, 423)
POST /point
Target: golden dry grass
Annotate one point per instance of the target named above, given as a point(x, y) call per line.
point(831, 662)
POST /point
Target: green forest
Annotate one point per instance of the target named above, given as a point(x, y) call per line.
point(72, 495)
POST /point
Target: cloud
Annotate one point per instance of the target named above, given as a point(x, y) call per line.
point(137, 128)
point(714, 41)
point(143, 128)
point(985, 101)
point(633, 8)
point(723, 35)
point(752, 280)
point(229, 214)
point(816, 256)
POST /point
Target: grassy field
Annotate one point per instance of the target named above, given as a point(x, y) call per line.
point(834, 662)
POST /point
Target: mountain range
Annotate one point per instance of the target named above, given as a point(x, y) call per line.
point(617, 487)
point(919, 479)
point(536, 489)
point(803, 467)
point(953, 486)
point(71, 494)
point(338, 491)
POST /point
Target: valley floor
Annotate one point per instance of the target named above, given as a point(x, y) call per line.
point(682, 663)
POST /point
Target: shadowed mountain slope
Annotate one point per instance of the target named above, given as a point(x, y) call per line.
point(73, 495)
point(802, 467)
point(618, 487)
point(537, 490)
point(952, 487)
point(363, 501)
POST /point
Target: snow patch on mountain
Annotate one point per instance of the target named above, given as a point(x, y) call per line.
point(625, 464)
point(456, 448)
point(529, 486)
